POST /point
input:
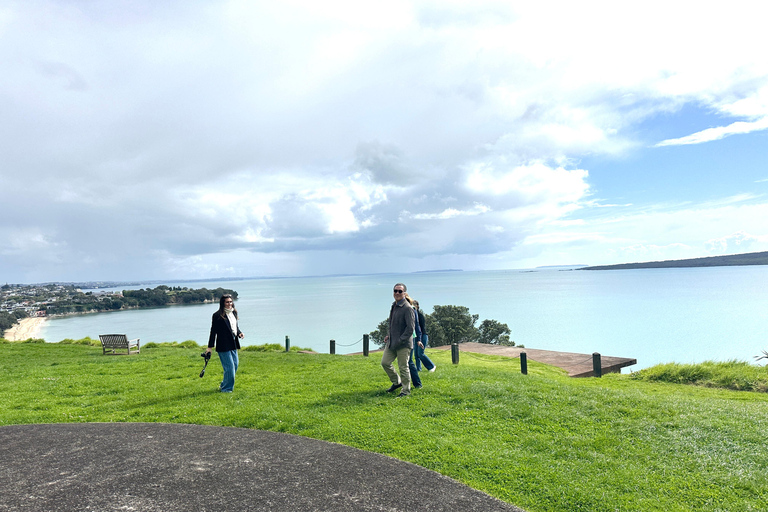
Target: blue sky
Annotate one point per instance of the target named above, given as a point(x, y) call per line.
point(197, 139)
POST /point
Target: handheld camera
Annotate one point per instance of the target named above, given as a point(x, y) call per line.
point(207, 357)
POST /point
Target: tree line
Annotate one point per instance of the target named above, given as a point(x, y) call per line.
point(130, 299)
point(454, 324)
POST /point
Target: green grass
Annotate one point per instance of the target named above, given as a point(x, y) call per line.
point(542, 441)
point(737, 375)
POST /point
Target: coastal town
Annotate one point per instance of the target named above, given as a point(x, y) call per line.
point(24, 308)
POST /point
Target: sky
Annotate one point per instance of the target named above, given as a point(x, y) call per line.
point(144, 140)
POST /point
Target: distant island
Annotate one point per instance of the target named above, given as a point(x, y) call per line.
point(750, 258)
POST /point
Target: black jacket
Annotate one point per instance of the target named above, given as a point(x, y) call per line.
point(221, 334)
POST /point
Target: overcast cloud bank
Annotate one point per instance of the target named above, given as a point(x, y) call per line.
point(146, 140)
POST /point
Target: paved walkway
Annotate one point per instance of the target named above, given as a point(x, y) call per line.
point(577, 365)
point(161, 467)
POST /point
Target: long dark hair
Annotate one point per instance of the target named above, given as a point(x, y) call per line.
point(223, 313)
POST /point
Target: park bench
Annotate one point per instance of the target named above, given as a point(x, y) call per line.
point(113, 342)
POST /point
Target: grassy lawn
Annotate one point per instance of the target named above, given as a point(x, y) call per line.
point(544, 442)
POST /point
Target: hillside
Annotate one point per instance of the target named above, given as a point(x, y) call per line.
point(751, 258)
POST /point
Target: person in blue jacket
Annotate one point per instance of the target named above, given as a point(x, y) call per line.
point(415, 379)
point(421, 343)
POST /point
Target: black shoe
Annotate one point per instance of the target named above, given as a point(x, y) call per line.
point(402, 395)
point(394, 387)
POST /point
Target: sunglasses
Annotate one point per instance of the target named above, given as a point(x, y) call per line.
point(398, 291)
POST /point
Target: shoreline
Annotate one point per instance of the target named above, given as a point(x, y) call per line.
point(25, 329)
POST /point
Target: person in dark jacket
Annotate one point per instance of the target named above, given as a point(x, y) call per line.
point(225, 336)
point(399, 342)
point(421, 344)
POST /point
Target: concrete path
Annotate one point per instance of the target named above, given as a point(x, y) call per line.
point(161, 467)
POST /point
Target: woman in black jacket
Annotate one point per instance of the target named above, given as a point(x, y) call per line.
point(225, 336)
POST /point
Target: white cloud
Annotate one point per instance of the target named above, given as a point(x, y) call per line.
point(251, 137)
point(720, 132)
point(738, 242)
point(450, 213)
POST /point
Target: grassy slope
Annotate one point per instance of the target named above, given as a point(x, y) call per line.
point(541, 441)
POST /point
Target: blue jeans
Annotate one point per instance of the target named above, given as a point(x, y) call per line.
point(229, 362)
point(421, 357)
point(415, 379)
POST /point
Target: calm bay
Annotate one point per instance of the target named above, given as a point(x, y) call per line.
point(682, 315)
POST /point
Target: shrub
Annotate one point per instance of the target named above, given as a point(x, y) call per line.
point(82, 341)
point(271, 347)
point(736, 375)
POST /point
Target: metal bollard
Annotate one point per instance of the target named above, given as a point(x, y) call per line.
point(597, 366)
point(523, 363)
point(455, 353)
point(333, 346)
point(366, 342)
point(287, 343)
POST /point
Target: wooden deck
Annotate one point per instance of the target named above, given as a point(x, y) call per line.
point(577, 365)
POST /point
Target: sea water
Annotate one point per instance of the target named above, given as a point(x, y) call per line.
point(682, 315)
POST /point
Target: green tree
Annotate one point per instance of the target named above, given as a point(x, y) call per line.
point(377, 336)
point(495, 333)
point(6, 322)
point(451, 324)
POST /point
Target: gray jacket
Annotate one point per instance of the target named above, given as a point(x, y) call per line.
point(401, 322)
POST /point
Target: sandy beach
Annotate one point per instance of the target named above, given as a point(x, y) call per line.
point(25, 329)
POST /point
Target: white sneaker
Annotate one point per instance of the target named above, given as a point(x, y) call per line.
point(433, 369)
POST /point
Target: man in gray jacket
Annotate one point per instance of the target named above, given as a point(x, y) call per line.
point(399, 342)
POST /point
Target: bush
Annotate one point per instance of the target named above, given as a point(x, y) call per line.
point(272, 347)
point(83, 341)
point(736, 375)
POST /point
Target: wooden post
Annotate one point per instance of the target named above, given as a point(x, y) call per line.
point(287, 343)
point(366, 342)
point(523, 363)
point(597, 366)
point(333, 346)
point(455, 353)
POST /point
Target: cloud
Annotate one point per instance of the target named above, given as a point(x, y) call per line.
point(737, 243)
point(257, 138)
point(720, 132)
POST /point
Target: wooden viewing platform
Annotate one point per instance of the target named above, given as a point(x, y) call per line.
point(577, 365)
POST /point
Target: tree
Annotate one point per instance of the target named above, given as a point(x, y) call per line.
point(380, 333)
point(451, 324)
point(495, 333)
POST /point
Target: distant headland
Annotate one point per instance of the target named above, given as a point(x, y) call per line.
point(750, 258)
